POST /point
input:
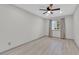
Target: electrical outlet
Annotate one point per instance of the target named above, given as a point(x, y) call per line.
point(9, 43)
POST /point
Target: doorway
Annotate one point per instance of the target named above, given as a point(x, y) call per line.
point(57, 28)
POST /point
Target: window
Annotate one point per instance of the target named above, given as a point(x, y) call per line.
point(55, 25)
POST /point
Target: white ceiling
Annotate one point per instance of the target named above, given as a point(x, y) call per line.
point(67, 9)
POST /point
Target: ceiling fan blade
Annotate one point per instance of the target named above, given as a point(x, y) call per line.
point(55, 9)
point(44, 12)
point(51, 12)
point(44, 9)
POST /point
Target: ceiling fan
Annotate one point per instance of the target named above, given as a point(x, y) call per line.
point(49, 9)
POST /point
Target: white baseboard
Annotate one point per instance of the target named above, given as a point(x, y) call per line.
point(21, 45)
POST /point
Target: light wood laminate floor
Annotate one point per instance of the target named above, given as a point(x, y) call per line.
point(46, 46)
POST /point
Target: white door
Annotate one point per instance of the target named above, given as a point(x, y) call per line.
point(56, 28)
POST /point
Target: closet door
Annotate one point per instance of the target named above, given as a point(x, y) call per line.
point(50, 28)
point(62, 31)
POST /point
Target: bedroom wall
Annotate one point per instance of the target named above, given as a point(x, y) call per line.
point(69, 27)
point(76, 25)
point(18, 27)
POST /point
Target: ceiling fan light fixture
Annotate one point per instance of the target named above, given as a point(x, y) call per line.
point(48, 12)
point(49, 9)
point(60, 11)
